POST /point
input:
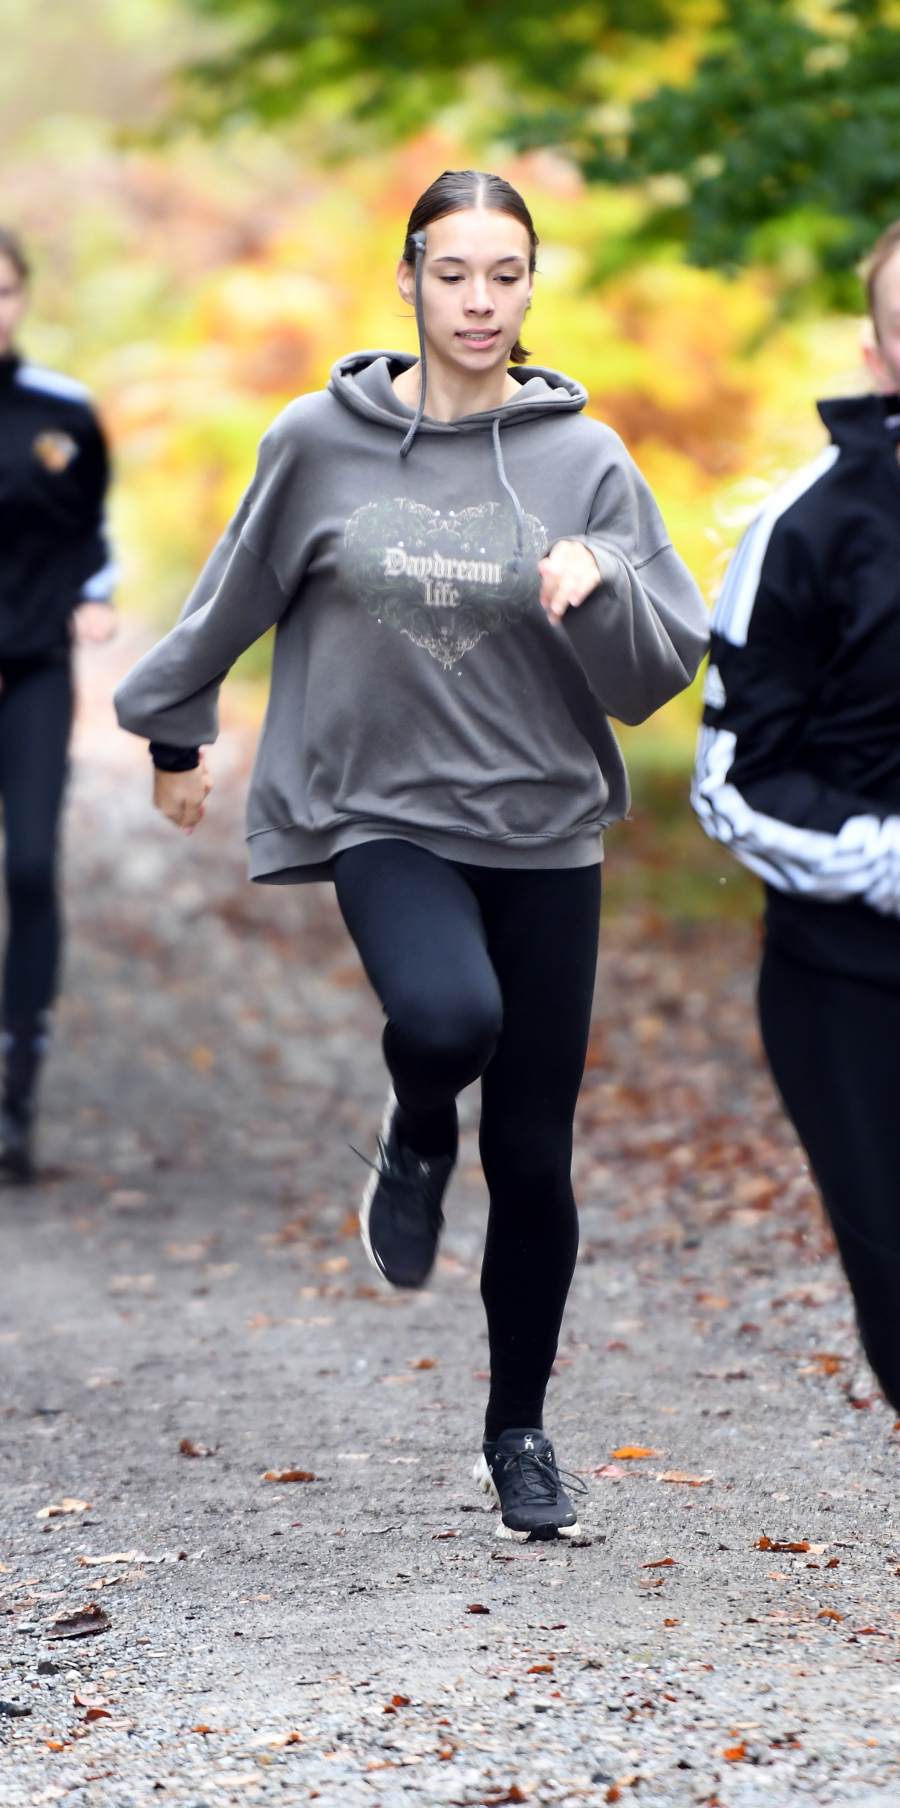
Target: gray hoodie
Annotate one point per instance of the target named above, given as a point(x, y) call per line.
point(418, 689)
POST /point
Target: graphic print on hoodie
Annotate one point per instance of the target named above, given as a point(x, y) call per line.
point(443, 579)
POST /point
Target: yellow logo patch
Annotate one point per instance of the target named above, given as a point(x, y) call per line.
point(55, 449)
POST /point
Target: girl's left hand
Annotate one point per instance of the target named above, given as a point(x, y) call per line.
point(568, 575)
point(94, 622)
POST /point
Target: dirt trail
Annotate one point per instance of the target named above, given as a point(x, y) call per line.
point(186, 1271)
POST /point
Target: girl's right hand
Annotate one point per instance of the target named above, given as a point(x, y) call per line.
point(181, 796)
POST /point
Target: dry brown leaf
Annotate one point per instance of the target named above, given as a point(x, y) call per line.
point(134, 1556)
point(828, 1613)
point(671, 1622)
point(656, 1583)
point(659, 1563)
point(633, 1452)
point(540, 1670)
point(476, 1607)
point(98, 1714)
point(188, 1448)
point(422, 1362)
point(826, 1363)
point(335, 1265)
point(261, 1321)
point(66, 1505)
point(84, 1622)
point(350, 1225)
point(89, 1700)
point(689, 1481)
point(734, 1753)
point(289, 1475)
point(781, 1548)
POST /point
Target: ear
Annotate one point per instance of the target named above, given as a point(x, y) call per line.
point(406, 282)
point(873, 359)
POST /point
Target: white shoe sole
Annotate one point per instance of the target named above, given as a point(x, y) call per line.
point(371, 1187)
point(484, 1480)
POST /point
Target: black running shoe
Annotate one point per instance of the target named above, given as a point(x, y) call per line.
point(401, 1215)
point(16, 1153)
point(519, 1472)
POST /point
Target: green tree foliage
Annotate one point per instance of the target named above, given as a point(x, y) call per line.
point(784, 144)
point(399, 60)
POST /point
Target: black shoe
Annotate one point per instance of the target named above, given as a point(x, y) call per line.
point(16, 1158)
point(401, 1216)
point(519, 1471)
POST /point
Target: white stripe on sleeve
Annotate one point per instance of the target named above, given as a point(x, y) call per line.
point(862, 861)
point(731, 615)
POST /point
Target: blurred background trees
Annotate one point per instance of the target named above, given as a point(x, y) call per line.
point(215, 193)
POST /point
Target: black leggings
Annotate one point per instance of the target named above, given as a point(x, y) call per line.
point(35, 718)
point(491, 972)
point(833, 1044)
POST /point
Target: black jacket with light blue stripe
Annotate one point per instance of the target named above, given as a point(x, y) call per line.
point(53, 479)
point(798, 762)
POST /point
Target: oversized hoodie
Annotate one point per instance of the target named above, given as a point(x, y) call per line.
point(418, 689)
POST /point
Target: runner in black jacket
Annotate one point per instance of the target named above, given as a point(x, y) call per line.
point(798, 771)
point(53, 560)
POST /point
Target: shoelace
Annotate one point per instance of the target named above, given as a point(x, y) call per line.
point(548, 1476)
point(400, 1176)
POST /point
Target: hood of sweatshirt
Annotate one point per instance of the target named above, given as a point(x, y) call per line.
point(364, 383)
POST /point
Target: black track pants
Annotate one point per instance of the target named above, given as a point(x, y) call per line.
point(35, 719)
point(491, 972)
point(833, 1044)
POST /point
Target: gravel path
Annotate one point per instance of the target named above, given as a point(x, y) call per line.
point(186, 1308)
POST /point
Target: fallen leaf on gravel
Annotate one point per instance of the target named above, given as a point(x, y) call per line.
point(481, 1374)
point(874, 1631)
point(262, 1321)
point(396, 1380)
point(65, 1506)
point(659, 1563)
point(188, 1448)
point(335, 1265)
point(350, 1225)
point(834, 1563)
point(82, 1623)
point(477, 1608)
point(656, 1583)
point(734, 1753)
point(97, 1714)
point(610, 1471)
point(633, 1452)
point(615, 1343)
point(114, 1557)
point(212, 1732)
point(826, 1363)
point(690, 1481)
point(671, 1622)
point(422, 1362)
point(443, 1534)
point(540, 1670)
point(90, 1699)
point(714, 1302)
point(798, 1547)
point(289, 1475)
point(828, 1613)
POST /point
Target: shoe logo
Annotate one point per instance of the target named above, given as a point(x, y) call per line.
point(529, 1443)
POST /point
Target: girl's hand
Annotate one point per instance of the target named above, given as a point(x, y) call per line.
point(181, 796)
point(94, 622)
point(569, 574)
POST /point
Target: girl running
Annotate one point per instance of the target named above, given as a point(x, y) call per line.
point(798, 771)
point(54, 568)
point(467, 574)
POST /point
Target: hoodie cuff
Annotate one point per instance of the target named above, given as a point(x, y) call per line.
point(174, 759)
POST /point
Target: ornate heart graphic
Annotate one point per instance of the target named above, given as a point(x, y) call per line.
point(444, 580)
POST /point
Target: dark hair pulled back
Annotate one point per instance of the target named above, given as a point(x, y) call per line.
point(13, 250)
point(456, 191)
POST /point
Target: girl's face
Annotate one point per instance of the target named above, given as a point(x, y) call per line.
point(882, 352)
point(13, 302)
point(476, 287)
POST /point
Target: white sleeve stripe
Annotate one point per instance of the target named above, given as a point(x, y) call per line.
point(51, 382)
point(99, 587)
point(862, 861)
point(731, 616)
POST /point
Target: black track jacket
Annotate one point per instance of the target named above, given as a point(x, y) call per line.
point(53, 478)
point(798, 761)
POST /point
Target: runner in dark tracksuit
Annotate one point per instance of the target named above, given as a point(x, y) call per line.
point(53, 560)
point(798, 771)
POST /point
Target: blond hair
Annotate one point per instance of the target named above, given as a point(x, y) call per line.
point(870, 269)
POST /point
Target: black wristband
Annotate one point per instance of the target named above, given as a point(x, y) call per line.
point(174, 759)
